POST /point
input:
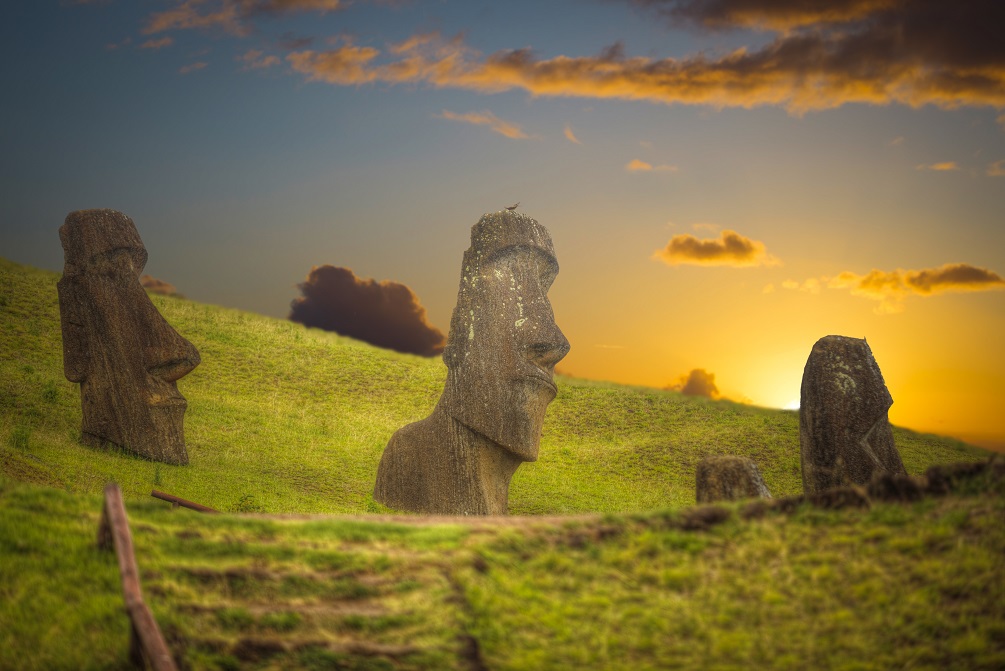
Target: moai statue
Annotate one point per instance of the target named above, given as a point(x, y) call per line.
point(500, 354)
point(116, 344)
point(728, 478)
point(844, 432)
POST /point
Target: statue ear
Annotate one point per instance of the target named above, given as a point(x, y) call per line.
point(76, 353)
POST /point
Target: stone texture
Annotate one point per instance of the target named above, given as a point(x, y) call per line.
point(844, 433)
point(728, 478)
point(500, 355)
point(116, 344)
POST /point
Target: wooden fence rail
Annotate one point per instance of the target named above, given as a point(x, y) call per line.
point(146, 643)
point(171, 498)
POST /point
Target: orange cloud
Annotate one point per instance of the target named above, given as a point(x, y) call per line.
point(878, 52)
point(698, 382)
point(570, 136)
point(486, 118)
point(729, 249)
point(945, 166)
point(158, 43)
point(892, 287)
point(996, 169)
point(192, 67)
point(256, 60)
point(810, 286)
point(635, 165)
point(229, 15)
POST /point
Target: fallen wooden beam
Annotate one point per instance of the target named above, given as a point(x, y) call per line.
point(171, 498)
point(145, 641)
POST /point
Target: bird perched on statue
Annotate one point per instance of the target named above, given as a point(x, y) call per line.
point(513, 207)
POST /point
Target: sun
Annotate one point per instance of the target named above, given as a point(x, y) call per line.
point(791, 405)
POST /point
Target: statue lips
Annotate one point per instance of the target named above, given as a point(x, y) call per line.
point(542, 378)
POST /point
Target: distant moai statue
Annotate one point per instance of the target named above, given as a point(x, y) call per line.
point(116, 344)
point(728, 478)
point(844, 430)
point(500, 355)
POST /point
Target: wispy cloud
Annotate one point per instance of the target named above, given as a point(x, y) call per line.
point(729, 249)
point(158, 43)
point(112, 46)
point(944, 166)
point(996, 169)
point(570, 136)
point(890, 288)
point(636, 165)
point(254, 59)
point(486, 118)
point(231, 16)
point(774, 15)
point(856, 51)
point(896, 142)
point(810, 286)
point(192, 67)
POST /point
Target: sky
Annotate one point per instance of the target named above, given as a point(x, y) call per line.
point(725, 182)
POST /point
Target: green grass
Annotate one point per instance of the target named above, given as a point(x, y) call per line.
point(287, 419)
point(918, 586)
point(284, 419)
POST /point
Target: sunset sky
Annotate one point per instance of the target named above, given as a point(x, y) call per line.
point(725, 181)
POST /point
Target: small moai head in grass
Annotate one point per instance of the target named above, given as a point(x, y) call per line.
point(728, 478)
point(500, 355)
point(116, 344)
point(844, 430)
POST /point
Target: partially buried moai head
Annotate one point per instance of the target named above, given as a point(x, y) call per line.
point(116, 344)
point(504, 342)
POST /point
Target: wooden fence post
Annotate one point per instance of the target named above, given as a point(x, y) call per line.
point(145, 641)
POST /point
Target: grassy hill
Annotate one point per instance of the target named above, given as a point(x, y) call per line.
point(287, 419)
point(605, 568)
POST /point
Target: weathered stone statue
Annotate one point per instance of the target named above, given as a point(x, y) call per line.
point(844, 431)
point(115, 342)
point(500, 354)
point(728, 478)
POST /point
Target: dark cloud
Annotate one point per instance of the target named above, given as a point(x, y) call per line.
point(156, 286)
point(387, 314)
point(765, 14)
point(824, 55)
point(729, 249)
point(698, 382)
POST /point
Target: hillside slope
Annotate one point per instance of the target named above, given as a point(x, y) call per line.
point(287, 419)
point(895, 586)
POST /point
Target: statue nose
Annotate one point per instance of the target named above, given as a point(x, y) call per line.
point(549, 350)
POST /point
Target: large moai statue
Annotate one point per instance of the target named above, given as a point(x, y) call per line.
point(728, 478)
point(116, 344)
point(844, 430)
point(500, 355)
